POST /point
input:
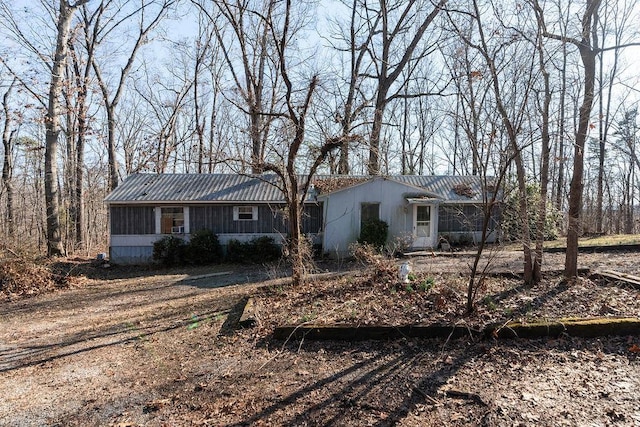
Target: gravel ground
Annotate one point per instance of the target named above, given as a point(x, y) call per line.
point(164, 349)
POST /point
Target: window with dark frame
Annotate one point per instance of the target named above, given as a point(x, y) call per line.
point(369, 211)
point(245, 213)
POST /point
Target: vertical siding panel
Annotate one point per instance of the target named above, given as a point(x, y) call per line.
point(271, 219)
point(132, 220)
point(312, 218)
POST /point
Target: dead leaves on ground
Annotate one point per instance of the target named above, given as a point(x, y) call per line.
point(23, 277)
point(369, 299)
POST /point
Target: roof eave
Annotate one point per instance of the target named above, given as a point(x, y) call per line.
point(198, 202)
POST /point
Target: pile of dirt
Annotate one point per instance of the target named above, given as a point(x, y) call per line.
point(23, 278)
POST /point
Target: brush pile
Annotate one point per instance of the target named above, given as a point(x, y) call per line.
point(20, 277)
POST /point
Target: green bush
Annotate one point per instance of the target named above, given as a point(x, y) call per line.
point(235, 251)
point(465, 239)
point(169, 251)
point(374, 232)
point(266, 249)
point(204, 248)
point(256, 251)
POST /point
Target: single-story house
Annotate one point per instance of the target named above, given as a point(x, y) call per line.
point(419, 210)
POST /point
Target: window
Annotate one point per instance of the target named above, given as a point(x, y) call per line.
point(423, 221)
point(245, 213)
point(369, 211)
point(172, 220)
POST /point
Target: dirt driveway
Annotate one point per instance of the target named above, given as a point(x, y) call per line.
point(165, 350)
point(61, 352)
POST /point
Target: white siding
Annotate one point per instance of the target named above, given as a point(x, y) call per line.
point(342, 213)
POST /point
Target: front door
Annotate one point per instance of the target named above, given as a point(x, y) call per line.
point(422, 227)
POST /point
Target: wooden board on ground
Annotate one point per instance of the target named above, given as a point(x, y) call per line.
point(619, 277)
point(595, 327)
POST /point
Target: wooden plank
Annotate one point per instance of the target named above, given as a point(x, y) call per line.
point(248, 317)
point(598, 249)
point(619, 277)
point(586, 328)
point(360, 333)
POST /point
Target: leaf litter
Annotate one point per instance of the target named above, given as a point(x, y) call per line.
point(126, 352)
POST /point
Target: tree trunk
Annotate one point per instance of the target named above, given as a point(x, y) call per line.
point(588, 56)
point(111, 147)
point(373, 167)
point(78, 199)
point(544, 172)
point(563, 93)
point(601, 147)
point(296, 245)
point(52, 130)
point(7, 163)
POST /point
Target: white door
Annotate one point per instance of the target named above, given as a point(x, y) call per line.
point(422, 227)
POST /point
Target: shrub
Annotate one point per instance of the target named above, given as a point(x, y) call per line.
point(374, 232)
point(235, 251)
point(465, 239)
point(426, 284)
point(169, 251)
point(256, 251)
point(265, 249)
point(204, 248)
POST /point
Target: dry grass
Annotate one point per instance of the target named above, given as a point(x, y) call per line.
point(608, 240)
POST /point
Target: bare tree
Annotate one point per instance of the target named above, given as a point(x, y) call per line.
point(247, 52)
point(392, 56)
point(615, 19)
point(514, 88)
point(587, 45)
point(81, 76)
point(55, 66)
point(204, 43)
point(352, 41)
point(52, 126)
point(626, 144)
point(545, 139)
point(293, 120)
point(561, 125)
point(112, 23)
point(166, 98)
point(8, 136)
point(471, 123)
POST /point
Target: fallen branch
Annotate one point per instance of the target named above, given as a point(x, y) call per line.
point(467, 395)
point(431, 399)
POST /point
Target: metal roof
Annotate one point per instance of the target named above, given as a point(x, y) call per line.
point(450, 188)
point(196, 188)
